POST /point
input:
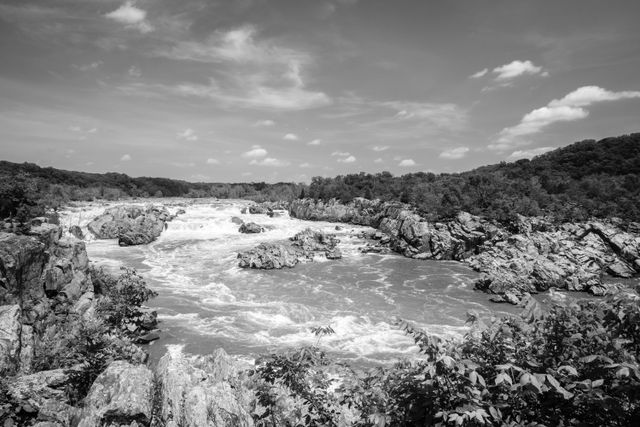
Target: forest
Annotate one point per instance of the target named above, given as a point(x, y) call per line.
point(585, 179)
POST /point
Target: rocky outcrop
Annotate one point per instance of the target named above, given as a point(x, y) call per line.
point(250, 227)
point(202, 391)
point(131, 225)
point(10, 330)
point(529, 255)
point(122, 394)
point(268, 256)
point(301, 247)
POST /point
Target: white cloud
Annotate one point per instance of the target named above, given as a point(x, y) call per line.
point(265, 123)
point(134, 71)
point(454, 153)
point(526, 154)
point(290, 137)
point(212, 161)
point(75, 128)
point(569, 108)
point(125, 158)
point(88, 67)
point(379, 148)
point(479, 74)
point(407, 163)
point(255, 152)
point(269, 161)
point(92, 130)
point(255, 73)
point(314, 142)
point(440, 115)
point(349, 159)
point(131, 16)
point(340, 153)
point(188, 135)
point(515, 69)
point(305, 165)
point(378, 160)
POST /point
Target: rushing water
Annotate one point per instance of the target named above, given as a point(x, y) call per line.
point(206, 301)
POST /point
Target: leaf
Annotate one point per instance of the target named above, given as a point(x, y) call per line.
point(589, 359)
point(473, 377)
point(597, 383)
point(570, 370)
point(623, 372)
point(494, 413)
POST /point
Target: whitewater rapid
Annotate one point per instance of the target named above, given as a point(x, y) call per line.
point(206, 301)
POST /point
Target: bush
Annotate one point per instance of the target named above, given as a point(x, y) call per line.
point(122, 298)
point(573, 365)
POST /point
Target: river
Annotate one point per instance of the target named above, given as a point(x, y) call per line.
point(206, 301)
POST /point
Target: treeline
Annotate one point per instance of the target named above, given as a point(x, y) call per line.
point(27, 189)
point(583, 180)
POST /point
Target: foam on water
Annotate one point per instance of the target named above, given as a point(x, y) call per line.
point(207, 301)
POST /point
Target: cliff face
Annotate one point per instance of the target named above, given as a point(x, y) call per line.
point(40, 273)
point(532, 255)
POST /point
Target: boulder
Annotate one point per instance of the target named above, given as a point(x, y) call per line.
point(22, 261)
point(76, 232)
point(269, 256)
point(250, 227)
point(333, 253)
point(131, 225)
point(203, 391)
point(237, 220)
point(123, 393)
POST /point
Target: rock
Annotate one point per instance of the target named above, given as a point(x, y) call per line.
point(202, 391)
point(40, 387)
point(149, 337)
point(149, 318)
point(10, 330)
point(334, 253)
point(123, 393)
point(310, 241)
point(237, 220)
point(22, 261)
point(76, 231)
point(339, 228)
point(131, 225)
point(269, 256)
point(250, 227)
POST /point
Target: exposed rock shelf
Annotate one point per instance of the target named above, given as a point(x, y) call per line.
point(131, 225)
point(532, 255)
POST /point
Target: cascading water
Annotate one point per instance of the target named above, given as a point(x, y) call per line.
point(206, 301)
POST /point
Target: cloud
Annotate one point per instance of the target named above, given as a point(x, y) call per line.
point(134, 72)
point(378, 160)
point(407, 163)
point(479, 74)
point(212, 161)
point(305, 165)
point(265, 123)
point(340, 153)
point(255, 152)
point(314, 142)
point(269, 161)
point(454, 153)
point(566, 109)
point(88, 67)
point(515, 69)
point(290, 137)
point(188, 135)
point(131, 16)
point(349, 159)
point(379, 148)
point(125, 158)
point(250, 72)
point(526, 154)
point(441, 115)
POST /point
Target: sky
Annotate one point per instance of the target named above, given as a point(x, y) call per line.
point(285, 90)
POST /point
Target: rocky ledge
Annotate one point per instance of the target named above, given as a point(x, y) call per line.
point(527, 256)
point(301, 247)
point(130, 224)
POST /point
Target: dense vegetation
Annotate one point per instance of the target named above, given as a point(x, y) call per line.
point(574, 365)
point(27, 189)
point(581, 180)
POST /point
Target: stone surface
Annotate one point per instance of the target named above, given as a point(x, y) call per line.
point(10, 330)
point(123, 393)
point(130, 224)
point(237, 220)
point(202, 391)
point(250, 227)
point(76, 232)
point(269, 256)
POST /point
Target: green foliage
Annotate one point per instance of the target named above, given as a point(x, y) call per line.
point(585, 179)
point(573, 365)
point(123, 298)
